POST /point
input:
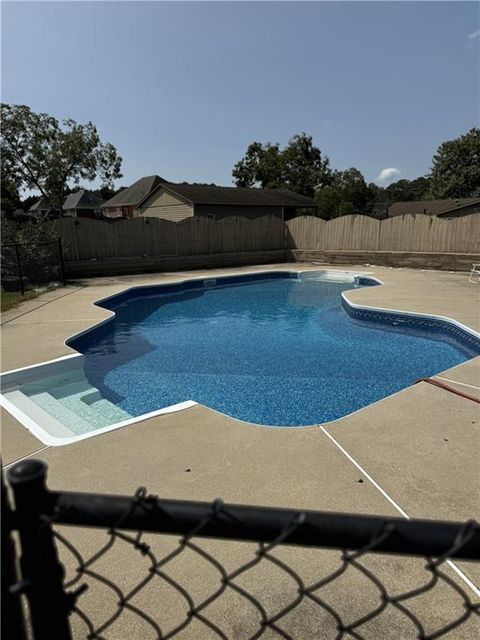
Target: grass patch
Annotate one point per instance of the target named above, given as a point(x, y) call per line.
point(11, 299)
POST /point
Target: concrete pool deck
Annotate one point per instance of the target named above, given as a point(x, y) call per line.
point(417, 450)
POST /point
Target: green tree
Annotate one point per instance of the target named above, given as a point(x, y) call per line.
point(407, 190)
point(379, 198)
point(38, 152)
point(299, 167)
point(10, 197)
point(304, 168)
point(346, 193)
point(455, 171)
point(377, 201)
point(261, 166)
point(353, 189)
point(328, 202)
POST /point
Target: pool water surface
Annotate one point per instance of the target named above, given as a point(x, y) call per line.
point(277, 350)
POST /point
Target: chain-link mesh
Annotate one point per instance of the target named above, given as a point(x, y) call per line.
point(42, 265)
point(142, 585)
point(28, 269)
point(34, 263)
point(9, 268)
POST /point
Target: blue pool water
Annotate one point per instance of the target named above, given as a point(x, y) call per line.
point(277, 351)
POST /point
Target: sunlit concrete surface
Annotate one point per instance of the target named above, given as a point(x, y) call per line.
point(416, 452)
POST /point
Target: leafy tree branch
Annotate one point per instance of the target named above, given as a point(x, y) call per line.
point(41, 153)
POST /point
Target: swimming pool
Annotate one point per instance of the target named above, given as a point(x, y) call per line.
point(278, 349)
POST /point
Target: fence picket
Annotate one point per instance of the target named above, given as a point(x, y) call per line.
point(86, 239)
point(401, 233)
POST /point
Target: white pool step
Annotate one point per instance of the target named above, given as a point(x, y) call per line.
point(77, 387)
point(34, 412)
point(72, 382)
point(83, 411)
point(93, 418)
point(111, 411)
point(63, 404)
point(100, 413)
point(62, 413)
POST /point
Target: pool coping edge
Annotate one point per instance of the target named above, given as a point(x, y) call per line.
point(46, 438)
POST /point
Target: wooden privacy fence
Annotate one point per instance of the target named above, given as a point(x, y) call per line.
point(411, 233)
point(87, 239)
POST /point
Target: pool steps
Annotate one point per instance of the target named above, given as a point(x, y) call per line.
point(73, 408)
point(61, 412)
point(37, 415)
point(56, 402)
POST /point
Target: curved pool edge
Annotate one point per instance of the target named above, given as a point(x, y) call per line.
point(45, 437)
point(393, 317)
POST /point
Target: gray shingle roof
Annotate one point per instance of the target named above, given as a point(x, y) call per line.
point(82, 199)
point(42, 204)
point(200, 194)
point(135, 193)
point(430, 207)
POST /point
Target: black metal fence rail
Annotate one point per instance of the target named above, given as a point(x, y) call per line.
point(54, 600)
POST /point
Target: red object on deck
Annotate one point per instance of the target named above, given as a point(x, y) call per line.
point(437, 383)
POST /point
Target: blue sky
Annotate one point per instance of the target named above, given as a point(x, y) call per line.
point(182, 88)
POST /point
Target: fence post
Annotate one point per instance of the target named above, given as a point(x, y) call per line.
point(20, 274)
point(62, 264)
point(41, 570)
point(13, 624)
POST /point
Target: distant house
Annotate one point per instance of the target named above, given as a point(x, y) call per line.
point(176, 202)
point(440, 208)
point(83, 204)
point(41, 207)
point(125, 204)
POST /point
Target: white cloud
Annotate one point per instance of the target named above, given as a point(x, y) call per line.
point(387, 176)
point(475, 34)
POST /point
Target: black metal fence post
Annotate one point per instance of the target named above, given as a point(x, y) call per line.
point(62, 264)
point(20, 273)
point(42, 572)
point(38, 508)
point(13, 623)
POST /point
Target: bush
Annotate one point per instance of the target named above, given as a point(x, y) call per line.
point(39, 260)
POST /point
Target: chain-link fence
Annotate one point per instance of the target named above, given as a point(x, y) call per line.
point(112, 567)
point(26, 265)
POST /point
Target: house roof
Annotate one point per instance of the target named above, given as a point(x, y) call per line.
point(135, 193)
point(206, 194)
point(430, 207)
point(42, 204)
point(82, 199)
point(458, 209)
